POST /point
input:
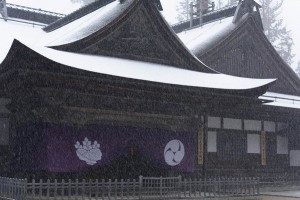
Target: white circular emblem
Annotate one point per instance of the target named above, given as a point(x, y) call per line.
point(174, 152)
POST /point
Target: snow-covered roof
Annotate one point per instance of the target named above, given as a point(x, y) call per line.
point(86, 25)
point(281, 100)
point(19, 29)
point(34, 10)
point(149, 71)
point(198, 40)
point(31, 36)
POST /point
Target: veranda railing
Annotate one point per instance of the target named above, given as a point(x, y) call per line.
point(144, 188)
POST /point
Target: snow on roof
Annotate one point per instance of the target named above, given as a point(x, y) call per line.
point(31, 36)
point(150, 71)
point(21, 30)
point(86, 25)
point(34, 10)
point(200, 39)
point(281, 100)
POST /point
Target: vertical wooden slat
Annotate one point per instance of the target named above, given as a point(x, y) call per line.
point(33, 187)
point(140, 186)
point(83, 189)
point(76, 189)
point(62, 188)
point(135, 189)
point(184, 187)
point(55, 189)
point(96, 189)
point(48, 189)
point(122, 188)
point(90, 189)
point(109, 189)
point(69, 189)
point(25, 188)
point(127, 189)
point(40, 188)
point(102, 188)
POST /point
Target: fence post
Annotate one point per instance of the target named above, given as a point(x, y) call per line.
point(90, 189)
point(76, 189)
point(69, 188)
point(55, 189)
point(135, 186)
point(97, 189)
point(48, 188)
point(122, 188)
point(116, 189)
point(24, 189)
point(40, 188)
point(109, 188)
point(83, 189)
point(33, 187)
point(127, 185)
point(102, 188)
point(160, 187)
point(205, 186)
point(63, 188)
point(258, 186)
point(140, 186)
point(179, 186)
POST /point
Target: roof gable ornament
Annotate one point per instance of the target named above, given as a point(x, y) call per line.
point(247, 7)
point(3, 9)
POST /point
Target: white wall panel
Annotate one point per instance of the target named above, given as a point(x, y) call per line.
point(252, 125)
point(214, 122)
point(282, 145)
point(230, 123)
point(212, 141)
point(295, 158)
point(253, 143)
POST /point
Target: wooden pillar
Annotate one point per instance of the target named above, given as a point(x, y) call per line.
point(201, 144)
point(263, 148)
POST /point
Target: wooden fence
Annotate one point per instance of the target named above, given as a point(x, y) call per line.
point(144, 188)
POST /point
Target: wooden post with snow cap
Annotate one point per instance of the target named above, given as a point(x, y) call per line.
point(140, 186)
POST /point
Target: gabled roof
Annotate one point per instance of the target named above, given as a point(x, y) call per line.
point(223, 46)
point(21, 57)
point(133, 29)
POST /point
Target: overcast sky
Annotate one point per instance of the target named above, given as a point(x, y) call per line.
point(290, 13)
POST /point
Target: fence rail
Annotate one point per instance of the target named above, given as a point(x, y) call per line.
point(143, 188)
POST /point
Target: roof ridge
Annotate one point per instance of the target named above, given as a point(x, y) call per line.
point(35, 10)
point(207, 18)
point(77, 14)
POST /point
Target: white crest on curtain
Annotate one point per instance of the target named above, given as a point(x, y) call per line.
point(88, 152)
point(174, 152)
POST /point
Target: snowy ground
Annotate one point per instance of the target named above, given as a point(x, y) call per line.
point(290, 194)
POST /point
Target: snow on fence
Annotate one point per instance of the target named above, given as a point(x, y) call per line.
point(144, 188)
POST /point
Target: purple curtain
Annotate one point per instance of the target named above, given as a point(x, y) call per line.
point(60, 148)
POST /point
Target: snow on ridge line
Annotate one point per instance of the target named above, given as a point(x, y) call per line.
point(149, 71)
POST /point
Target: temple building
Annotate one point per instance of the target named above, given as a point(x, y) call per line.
point(111, 91)
point(234, 43)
